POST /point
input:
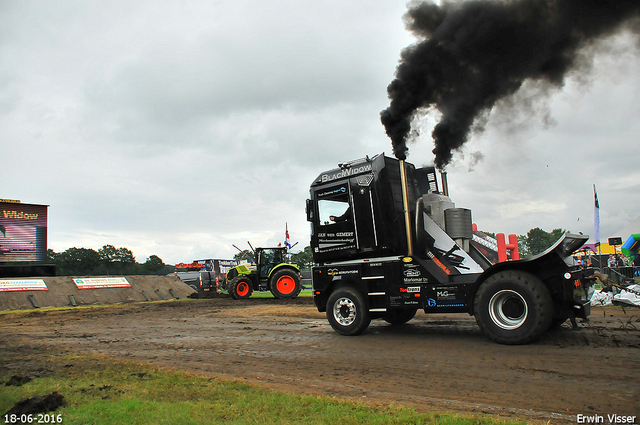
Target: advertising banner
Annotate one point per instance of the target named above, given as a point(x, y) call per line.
point(22, 285)
point(23, 231)
point(101, 282)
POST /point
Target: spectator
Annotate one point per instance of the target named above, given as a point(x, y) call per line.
point(611, 262)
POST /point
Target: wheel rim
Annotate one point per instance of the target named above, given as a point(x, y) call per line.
point(508, 309)
point(242, 289)
point(344, 311)
point(286, 285)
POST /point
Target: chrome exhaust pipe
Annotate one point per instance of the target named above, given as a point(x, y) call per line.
point(445, 183)
point(405, 206)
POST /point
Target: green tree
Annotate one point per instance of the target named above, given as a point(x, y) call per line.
point(303, 259)
point(116, 260)
point(523, 249)
point(107, 260)
point(77, 262)
point(538, 240)
point(51, 256)
point(108, 253)
point(153, 265)
point(244, 255)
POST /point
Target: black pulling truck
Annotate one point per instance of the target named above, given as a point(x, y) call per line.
point(387, 241)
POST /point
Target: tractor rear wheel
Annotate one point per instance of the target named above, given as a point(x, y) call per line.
point(240, 288)
point(285, 284)
point(513, 307)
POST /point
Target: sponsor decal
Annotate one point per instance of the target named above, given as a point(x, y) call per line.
point(101, 282)
point(411, 289)
point(431, 302)
point(445, 295)
point(339, 190)
point(7, 285)
point(455, 303)
point(336, 272)
point(336, 248)
point(412, 273)
point(347, 172)
point(414, 280)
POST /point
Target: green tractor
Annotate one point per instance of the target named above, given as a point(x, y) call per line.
point(269, 271)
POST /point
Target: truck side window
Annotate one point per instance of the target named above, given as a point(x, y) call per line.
point(334, 206)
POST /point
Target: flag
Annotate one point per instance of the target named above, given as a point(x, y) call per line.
point(287, 242)
point(596, 216)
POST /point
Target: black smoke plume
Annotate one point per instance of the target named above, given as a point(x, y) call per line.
point(473, 53)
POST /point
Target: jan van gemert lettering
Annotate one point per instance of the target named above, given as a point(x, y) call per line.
point(606, 419)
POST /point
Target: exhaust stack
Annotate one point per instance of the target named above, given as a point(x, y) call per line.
point(405, 206)
point(445, 183)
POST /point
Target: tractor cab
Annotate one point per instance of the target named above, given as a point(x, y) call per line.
point(268, 258)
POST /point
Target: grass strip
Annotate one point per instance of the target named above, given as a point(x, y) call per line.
point(100, 390)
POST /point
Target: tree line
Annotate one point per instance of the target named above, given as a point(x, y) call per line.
point(106, 261)
point(110, 260)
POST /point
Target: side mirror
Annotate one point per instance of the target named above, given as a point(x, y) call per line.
point(309, 210)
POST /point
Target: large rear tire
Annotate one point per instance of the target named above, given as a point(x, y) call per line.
point(347, 311)
point(285, 284)
point(240, 288)
point(513, 307)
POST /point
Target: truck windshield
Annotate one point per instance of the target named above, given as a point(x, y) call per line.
point(333, 206)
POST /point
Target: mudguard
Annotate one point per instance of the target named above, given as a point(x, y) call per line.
point(570, 286)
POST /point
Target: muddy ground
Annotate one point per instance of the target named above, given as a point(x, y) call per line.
point(435, 362)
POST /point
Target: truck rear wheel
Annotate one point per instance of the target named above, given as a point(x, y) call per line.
point(397, 316)
point(347, 312)
point(240, 288)
point(285, 284)
point(513, 307)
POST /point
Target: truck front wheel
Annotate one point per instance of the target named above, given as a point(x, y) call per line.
point(347, 312)
point(513, 307)
point(285, 284)
point(240, 288)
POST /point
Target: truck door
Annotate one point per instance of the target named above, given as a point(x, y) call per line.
point(362, 200)
point(335, 220)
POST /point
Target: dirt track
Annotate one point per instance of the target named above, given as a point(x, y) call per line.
point(439, 362)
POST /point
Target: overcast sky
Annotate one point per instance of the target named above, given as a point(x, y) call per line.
point(181, 128)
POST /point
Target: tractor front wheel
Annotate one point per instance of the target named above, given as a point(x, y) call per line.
point(285, 284)
point(240, 288)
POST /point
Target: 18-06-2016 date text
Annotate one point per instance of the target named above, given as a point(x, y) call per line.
point(39, 418)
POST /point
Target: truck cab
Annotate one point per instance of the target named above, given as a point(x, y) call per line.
point(388, 241)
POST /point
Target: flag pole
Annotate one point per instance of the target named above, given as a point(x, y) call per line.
point(596, 225)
